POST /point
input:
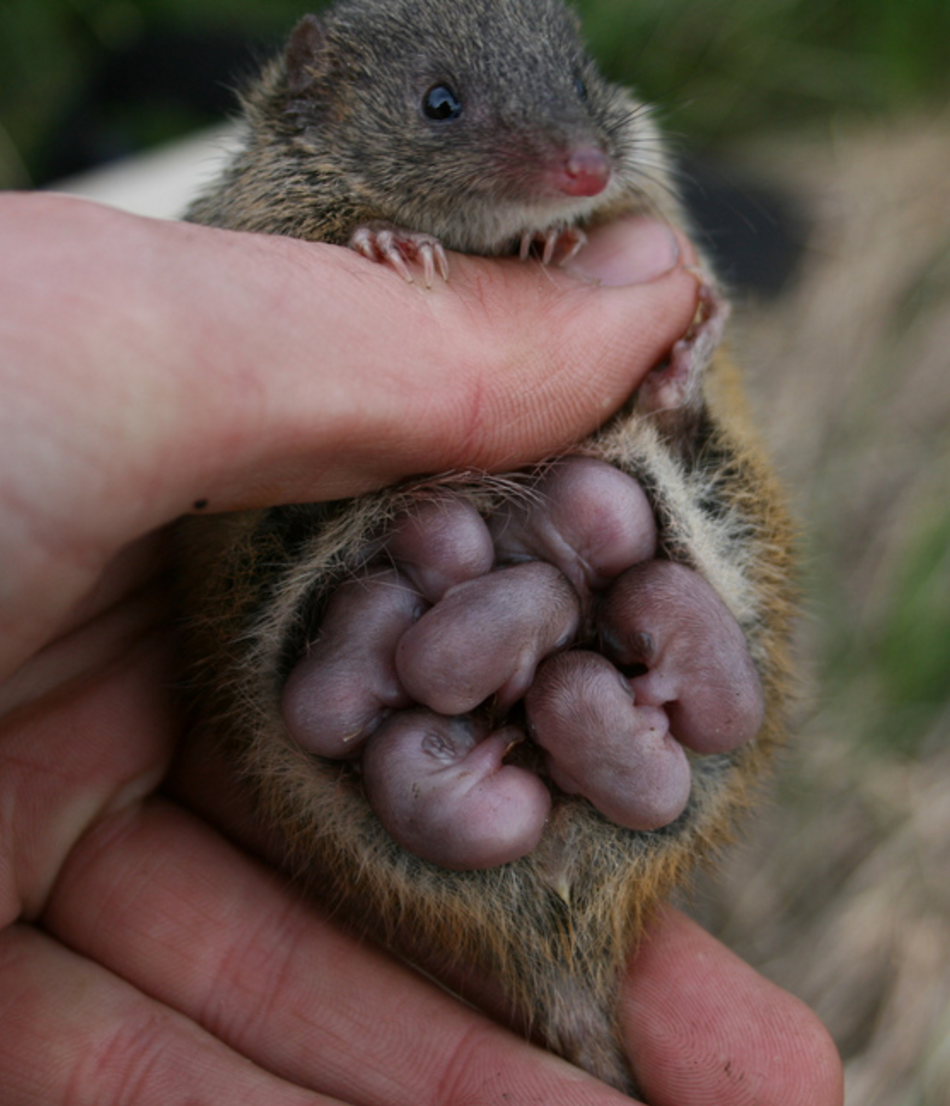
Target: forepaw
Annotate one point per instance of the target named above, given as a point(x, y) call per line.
point(557, 244)
point(673, 391)
point(397, 246)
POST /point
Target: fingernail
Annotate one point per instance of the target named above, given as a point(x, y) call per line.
point(631, 251)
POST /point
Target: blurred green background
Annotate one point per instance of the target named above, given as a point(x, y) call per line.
point(83, 81)
point(842, 109)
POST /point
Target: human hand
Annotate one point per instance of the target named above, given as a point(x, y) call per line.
point(148, 367)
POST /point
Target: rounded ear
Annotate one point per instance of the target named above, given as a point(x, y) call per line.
point(302, 54)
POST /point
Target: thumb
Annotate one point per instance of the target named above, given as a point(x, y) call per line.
point(152, 367)
point(332, 375)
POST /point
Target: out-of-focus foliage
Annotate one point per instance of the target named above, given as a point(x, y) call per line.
point(718, 67)
point(896, 672)
point(726, 66)
point(56, 56)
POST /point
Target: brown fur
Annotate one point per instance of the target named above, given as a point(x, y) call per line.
point(550, 932)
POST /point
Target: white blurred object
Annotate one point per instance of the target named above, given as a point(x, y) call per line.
point(161, 182)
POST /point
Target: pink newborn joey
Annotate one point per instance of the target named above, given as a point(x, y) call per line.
point(440, 787)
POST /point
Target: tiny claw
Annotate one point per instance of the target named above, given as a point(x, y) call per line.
point(428, 265)
point(390, 251)
point(514, 741)
point(550, 244)
point(557, 243)
point(572, 240)
point(672, 393)
point(441, 261)
point(395, 259)
point(362, 242)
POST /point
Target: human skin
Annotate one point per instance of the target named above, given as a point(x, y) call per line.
point(147, 367)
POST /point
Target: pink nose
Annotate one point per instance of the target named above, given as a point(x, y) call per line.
point(586, 172)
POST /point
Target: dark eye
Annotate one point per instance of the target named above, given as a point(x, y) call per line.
point(441, 103)
point(580, 88)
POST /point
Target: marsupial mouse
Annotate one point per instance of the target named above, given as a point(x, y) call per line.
point(500, 717)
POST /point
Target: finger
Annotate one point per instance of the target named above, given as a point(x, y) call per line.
point(705, 1029)
point(162, 901)
point(77, 749)
point(72, 1032)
